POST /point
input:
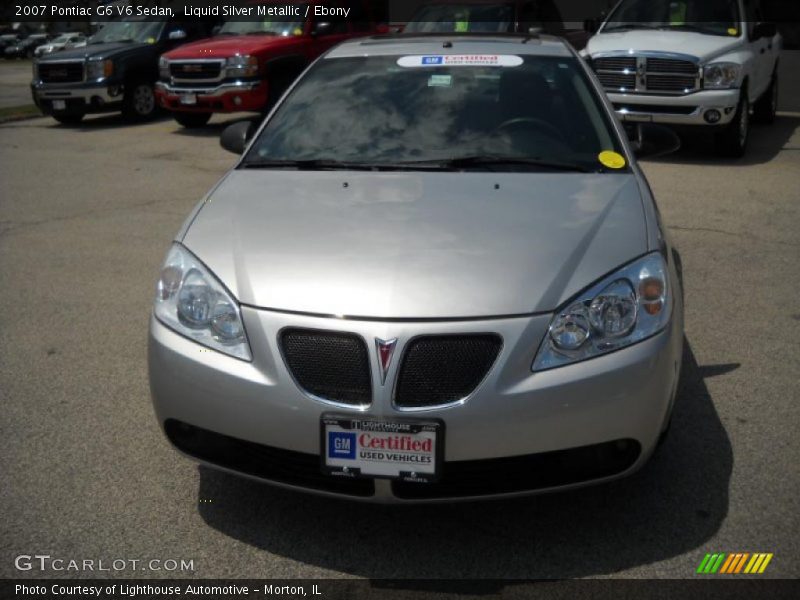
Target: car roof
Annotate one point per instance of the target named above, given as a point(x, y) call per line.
point(402, 44)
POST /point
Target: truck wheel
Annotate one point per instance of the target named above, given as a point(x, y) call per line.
point(139, 101)
point(68, 118)
point(192, 120)
point(732, 141)
point(764, 110)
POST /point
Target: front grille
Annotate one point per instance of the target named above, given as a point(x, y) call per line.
point(196, 71)
point(647, 74)
point(617, 81)
point(441, 369)
point(616, 63)
point(673, 66)
point(670, 83)
point(525, 473)
point(61, 72)
point(329, 365)
point(257, 460)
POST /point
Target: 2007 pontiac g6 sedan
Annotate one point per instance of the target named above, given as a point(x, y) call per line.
point(437, 272)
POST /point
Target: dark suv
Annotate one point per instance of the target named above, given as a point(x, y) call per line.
point(115, 71)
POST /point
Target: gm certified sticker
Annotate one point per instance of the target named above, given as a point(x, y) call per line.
point(461, 60)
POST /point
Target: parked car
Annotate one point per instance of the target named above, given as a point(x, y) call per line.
point(25, 48)
point(114, 72)
point(492, 16)
point(706, 64)
point(249, 64)
point(65, 41)
point(9, 39)
point(437, 272)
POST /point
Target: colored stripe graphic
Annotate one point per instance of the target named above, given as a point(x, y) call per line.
point(734, 563)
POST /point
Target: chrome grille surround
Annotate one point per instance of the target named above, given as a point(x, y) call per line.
point(660, 73)
point(203, 70)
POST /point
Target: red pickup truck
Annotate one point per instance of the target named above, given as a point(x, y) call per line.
point(248, 65)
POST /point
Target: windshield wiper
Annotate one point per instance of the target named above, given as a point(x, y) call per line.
point(261, 33)
point(320, 164)
point(629, 26)
point(465, 162)
point(690, 27)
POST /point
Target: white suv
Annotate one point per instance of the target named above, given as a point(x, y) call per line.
point(708, 63)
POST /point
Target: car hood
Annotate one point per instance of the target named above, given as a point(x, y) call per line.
point(703, 46)
point(224, 46)
point(416, 245)
point(97, 51)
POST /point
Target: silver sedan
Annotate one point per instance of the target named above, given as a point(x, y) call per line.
point(436, 272)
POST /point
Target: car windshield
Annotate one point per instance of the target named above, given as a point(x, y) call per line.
point(62, 39)
point(444, 18)
point(414, 112)
point(143, 32)
point(715, 17)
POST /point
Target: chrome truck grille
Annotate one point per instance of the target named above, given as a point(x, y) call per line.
point(61, 71)
point(643, 74)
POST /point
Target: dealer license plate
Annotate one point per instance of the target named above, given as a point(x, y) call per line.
point(405, 449)
point(188, 98)
point(59, 104)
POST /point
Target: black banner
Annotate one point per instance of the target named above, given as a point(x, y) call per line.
point(351, 589)
point(387, 11)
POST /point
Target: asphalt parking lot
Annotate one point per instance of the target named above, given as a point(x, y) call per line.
point(86, 215)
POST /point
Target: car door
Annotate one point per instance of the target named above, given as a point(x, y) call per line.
point(761, 50)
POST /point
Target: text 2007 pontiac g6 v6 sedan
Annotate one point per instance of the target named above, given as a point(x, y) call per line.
point(437, 272)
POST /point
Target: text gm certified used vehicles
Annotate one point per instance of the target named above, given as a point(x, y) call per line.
point(248, 65)
point(114, 72)
point(437, 272)
point(706, 64)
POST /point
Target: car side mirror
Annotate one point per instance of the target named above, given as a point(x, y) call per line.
point(216, 29)
point(235, 137)
point(322, 28)
point(178, 34)
point(650, 140)
point(764, 30)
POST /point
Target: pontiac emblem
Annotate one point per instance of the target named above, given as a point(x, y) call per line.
point(385, 352)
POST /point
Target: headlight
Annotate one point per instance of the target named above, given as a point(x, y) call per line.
point(163, 69)
point(97, 69)
point(720, 76)
point(625, 308)
point(241, 66)
point(190, 300)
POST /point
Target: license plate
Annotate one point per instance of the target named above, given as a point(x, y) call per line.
point(188, 98)
point(406, 449)
point(59, 104)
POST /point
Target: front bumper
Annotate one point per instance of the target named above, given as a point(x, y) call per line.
point(589, 422)
point(676, 110)
point(80, 97)
point(232, 96)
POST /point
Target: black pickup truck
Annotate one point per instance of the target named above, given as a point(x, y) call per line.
point(115, 71)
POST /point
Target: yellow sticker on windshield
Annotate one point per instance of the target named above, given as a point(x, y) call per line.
point(612, 160)
point(733, 31)
point(151, 40)
point(297, 31)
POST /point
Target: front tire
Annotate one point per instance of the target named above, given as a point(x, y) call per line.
point(764, 110)
point(139, 101)
point(732, 141)
point(192, 120)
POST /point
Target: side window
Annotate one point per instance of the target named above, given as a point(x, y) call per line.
point(358, 16)
point(750, 16)
point(338, 24)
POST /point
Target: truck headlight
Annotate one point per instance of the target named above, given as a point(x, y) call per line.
point(241, 66)
point(721, 76)
point(626, 307)
point(163, 69)
point(194, 303)
point(98, 69)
